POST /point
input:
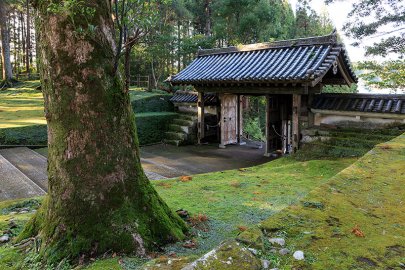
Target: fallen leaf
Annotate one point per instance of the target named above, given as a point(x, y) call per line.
point(357, 232)
point(185, 178)
point(190, 244)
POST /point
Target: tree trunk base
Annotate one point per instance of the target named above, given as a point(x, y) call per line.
point(8, 83)
point(128, 230)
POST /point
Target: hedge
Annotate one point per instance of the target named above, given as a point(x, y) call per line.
point(151, 129)
point(156, 101)
point(29, 135)
point(152, 126)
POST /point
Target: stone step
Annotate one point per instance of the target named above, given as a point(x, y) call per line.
point(14, 184)
point(189, 117)
point(173, 142)
point(30, 163)
point(182, 122)
point(175, 135)
point(178, 128)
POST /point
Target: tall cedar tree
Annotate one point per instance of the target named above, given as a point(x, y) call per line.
point(99, 198)
point(5, 43)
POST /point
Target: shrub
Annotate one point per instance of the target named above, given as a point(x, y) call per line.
point(152, 126)
point(155, 101)
point(29, 135)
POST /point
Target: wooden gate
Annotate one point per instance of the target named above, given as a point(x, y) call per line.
point(228, 119)
point(274, 130)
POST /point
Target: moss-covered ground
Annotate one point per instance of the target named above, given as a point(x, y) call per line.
point(353, 221)
point(233, 200)
point(308, 202)
point(21, 106)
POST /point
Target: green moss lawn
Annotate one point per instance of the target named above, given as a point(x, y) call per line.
point(356, 220)
point(232, 200)
point(21, 106)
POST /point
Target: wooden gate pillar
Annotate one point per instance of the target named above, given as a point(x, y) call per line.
point(296, 112)
point(238, 120)
point(200, 118)
point(268, 127)
point(311, 115)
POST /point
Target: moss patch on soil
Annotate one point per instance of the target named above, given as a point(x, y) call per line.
point(21, 106)
point(241, 198)
point(354, 221)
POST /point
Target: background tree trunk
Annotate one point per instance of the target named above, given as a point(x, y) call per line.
point(5, 43)
point(28, 40)
point(99, 197)
point(127, 67)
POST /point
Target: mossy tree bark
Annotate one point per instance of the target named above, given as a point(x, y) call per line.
point(99, 198)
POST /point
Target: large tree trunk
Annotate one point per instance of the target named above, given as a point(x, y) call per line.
point(99, 198)
point(5, 43)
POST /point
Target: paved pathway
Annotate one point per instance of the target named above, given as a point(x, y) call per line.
point(23, 171)
point(14, 184)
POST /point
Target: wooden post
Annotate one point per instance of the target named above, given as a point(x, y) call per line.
point(311, 115)
point(296, 111)
point(268, 128)
point(238, 118)
point(284, 126)
point(200, 105)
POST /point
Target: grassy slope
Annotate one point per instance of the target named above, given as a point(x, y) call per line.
point(369, 194)
point(21, 106)
point(245, 197)
point(230, 199)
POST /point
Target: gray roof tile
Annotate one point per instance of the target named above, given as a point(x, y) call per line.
point(360, 103)
point(292, 61)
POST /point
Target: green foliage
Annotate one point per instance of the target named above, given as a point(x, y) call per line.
point(155, 101)
point(245, 21)
point(28, 135)
point(384, 20)
point(152, 126)
point(182, 28)
point(309, 23)
point(254, 118)
point(388, 74)
point(74, 9)
point(340, 89)
point(253, 130)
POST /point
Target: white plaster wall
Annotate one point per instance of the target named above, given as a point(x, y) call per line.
point(193, 109)
point(355, 121)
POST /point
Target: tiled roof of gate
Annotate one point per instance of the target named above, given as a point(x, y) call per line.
point(288, 61)
point(360, 103)
point(191, 97)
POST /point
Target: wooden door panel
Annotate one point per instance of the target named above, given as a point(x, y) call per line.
point(228, 119)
